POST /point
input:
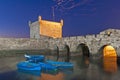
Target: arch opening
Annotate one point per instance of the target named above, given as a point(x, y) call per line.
point(109, 51)
point(67, 53)
point(57, 52)
point(109, 58)
point(83, 50)
point(53, 53)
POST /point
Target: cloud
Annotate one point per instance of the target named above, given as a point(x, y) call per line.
point(81, 7)
point(70, 4)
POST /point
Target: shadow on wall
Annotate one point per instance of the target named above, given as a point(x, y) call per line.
point(100, 52)
point(67, 53)
point(54, 53)
point(57, 51)
point(83, 50)
point(63, 55)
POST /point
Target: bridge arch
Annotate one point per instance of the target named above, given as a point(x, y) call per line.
point(100, 51)
point(57, 51)
point(83, 50)
point(53, 51)
point(67, 52)
point(109, 58)
point(107, 51)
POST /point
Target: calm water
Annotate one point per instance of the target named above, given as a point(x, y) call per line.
point(84, 69)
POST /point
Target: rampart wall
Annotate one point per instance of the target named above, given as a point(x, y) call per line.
point(94, 42)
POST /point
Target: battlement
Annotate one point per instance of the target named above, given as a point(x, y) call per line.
point(50, 22)
point(51, 33)
point(94, 42)
point(46, 28)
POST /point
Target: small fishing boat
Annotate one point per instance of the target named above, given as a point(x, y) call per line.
point(27, 66)
point(47, 67)
point(35, 58)
point(60, 65)
point(35, 73)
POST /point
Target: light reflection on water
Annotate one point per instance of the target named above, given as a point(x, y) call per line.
point(84, 69)
point(59, 76)
point(110, 65)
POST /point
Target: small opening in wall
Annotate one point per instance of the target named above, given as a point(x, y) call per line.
point(109, 33)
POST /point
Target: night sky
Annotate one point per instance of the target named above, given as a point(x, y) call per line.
point(81, 17)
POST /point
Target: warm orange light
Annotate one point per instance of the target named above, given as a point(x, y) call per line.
point(110, 65)
point(51, 29)
point(109, 59)
point(58, 76)
point(109, 51)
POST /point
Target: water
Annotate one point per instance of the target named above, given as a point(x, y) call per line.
point(84, 69)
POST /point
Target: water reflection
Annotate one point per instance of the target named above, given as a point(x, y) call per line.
point(10, 75)
point(35, 73)
point(83, 62)
point(110, 64)
point(24, 76)
point(45, 75)
point(118, 61)
point(84, 69)
point(109, 59)
point(59, 76)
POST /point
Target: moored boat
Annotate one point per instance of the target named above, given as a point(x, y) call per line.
point(48, 67)
point(27, 66)
point(35, 58)
point(60, 65)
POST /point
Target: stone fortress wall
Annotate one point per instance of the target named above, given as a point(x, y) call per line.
point(94, 42)
point(46, 28)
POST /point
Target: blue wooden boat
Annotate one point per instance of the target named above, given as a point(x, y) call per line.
point(35, 58)
point(27, 66)
point(35, 73)
point(47, 67)
point(60, 65)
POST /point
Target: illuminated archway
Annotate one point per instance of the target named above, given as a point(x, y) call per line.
point(109, 59)
point(109, 51)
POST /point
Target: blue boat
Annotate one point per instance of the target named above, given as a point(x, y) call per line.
point(35, 58)
point(35, 73)
point(27, 66)
point(60, 65)
point(47, 67)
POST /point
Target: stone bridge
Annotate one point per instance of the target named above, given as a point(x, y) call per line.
point(92, 44)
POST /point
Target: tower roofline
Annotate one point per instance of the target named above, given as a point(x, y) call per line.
point(40, 19)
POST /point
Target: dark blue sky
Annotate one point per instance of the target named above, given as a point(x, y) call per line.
point(80, 17)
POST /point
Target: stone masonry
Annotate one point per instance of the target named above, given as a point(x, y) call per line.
point(94, 42)
point(46, 28)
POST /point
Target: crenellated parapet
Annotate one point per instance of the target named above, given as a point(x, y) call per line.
point(93, 43)
point(46, 28)
point(51, 33)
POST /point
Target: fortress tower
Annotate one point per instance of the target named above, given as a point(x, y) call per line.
point(45, 28)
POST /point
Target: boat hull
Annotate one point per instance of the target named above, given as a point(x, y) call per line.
point(35, 58)
point(60, 65)
point(28, 66)
point(48, 67)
